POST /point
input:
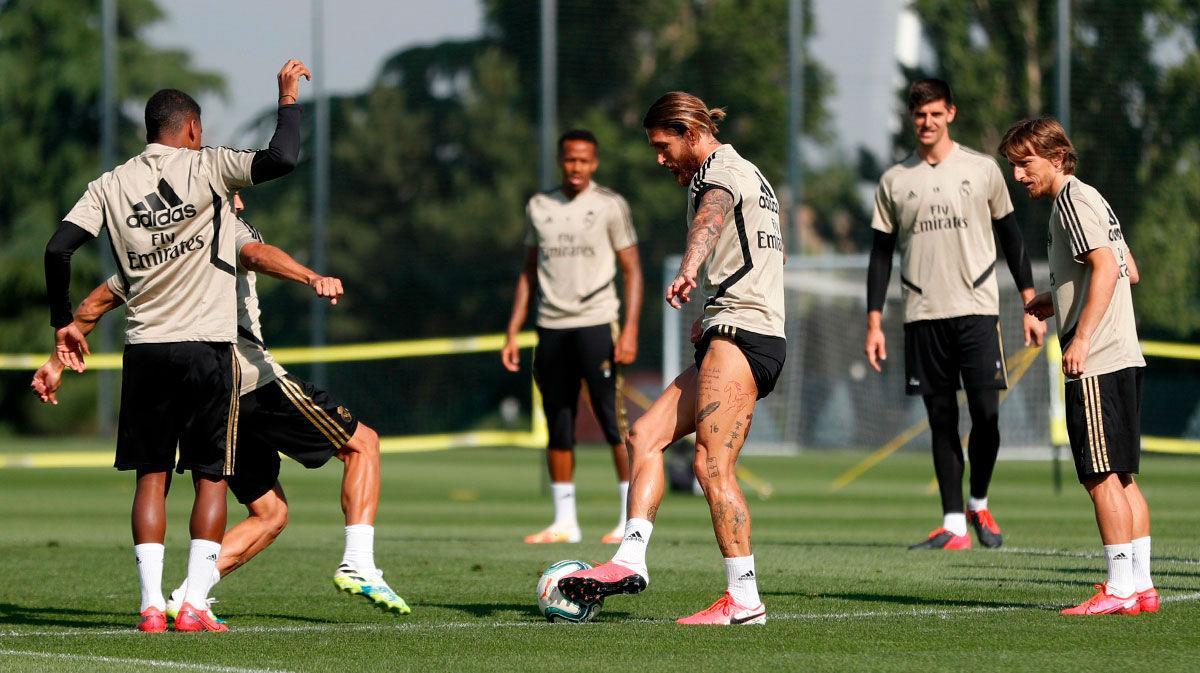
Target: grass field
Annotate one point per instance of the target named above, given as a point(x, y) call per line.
point(842, 592)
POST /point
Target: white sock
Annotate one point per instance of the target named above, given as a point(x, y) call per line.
point(741, 581)
point(955, 522)
point(976, 504)
point(149, 558)
point(632, 552)
point(1120, 569)
point(1141, 564)
point(563, 493)
point(202, 563)
point(623, 496)
point(181, 590)
point(360, 547)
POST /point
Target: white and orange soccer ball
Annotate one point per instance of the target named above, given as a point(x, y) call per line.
point(557, 607)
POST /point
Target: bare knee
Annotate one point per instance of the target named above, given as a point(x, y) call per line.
point(638, 443)
point(713, 472)
point(272, 512)
point(365, 443)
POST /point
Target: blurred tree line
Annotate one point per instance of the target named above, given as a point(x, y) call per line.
point(432, 165)
point(1135, 121)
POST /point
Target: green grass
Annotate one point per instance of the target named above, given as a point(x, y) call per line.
point(842, 592)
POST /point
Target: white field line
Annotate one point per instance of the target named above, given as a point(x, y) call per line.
point(152, 663)
point(940, 613)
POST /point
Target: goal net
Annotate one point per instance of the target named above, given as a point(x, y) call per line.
point(828, 397)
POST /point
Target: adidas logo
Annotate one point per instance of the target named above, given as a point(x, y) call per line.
point(1120, 557)
point(635, 536)
point(212, 557)
point(748, 576)
point(161, 211)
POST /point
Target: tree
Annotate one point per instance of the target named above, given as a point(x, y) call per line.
point(1133, 115)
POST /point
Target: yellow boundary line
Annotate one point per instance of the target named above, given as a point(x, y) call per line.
point(380, 350)
point(1018, 364)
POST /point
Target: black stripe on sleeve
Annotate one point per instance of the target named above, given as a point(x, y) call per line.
point(213, 255)
point(1079, 242)
point(747, 260)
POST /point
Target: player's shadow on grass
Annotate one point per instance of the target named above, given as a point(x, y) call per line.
point(502, 610)
point(12, 614)
point(828, 543)
point(1070, 582)
point(922, 601)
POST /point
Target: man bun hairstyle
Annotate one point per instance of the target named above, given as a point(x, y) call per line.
point(578, 134)
point(1045, 136)
point(679, 112)
point(166, 111)
point(929, 90)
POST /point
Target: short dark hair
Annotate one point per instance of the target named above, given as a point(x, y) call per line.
point(578, 134)
point(929, 90)
point(166, 111)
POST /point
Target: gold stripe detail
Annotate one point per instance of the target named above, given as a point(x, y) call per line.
point(1086, 391)
point(1003, 363)
point(622, 416)
point(231, 426)
point(287, 391)
point(318, 415)
point(1100, 424)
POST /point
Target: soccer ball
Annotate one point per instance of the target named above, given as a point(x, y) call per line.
point(557, 607)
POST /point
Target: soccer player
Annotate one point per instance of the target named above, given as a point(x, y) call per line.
point(164, 210)
point(576, 237)
point(277, 411)
point(740, 349)
point(943, 206)
point(1091, 271)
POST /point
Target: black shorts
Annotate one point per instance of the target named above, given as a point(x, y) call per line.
point(563, 359)
point(764, 353)
point(1104, 415)
point(938, 353)
point(181, 394)
point(289, 416)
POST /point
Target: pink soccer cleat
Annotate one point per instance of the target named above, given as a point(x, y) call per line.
point(943, 539)
point(1104, 603)
point(153, 621)
point(595, 584)
point(727, 612)
point(1148, 600)
point(191, 619)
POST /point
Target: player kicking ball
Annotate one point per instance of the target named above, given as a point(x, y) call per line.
point(740, 349)
point(277, 411)
point(1091, 271)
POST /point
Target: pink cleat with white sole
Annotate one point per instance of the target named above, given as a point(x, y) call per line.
point(727, 612)
point(595, 584)
point(1104, 603)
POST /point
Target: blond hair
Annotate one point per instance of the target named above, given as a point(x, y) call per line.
point(679, 111)
point(1045, 136)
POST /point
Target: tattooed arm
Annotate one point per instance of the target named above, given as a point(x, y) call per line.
point(711, 215)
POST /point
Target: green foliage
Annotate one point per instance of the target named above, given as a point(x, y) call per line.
point(50, 134)
point(1134, 112)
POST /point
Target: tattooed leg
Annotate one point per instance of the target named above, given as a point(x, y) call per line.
point(729, 399)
